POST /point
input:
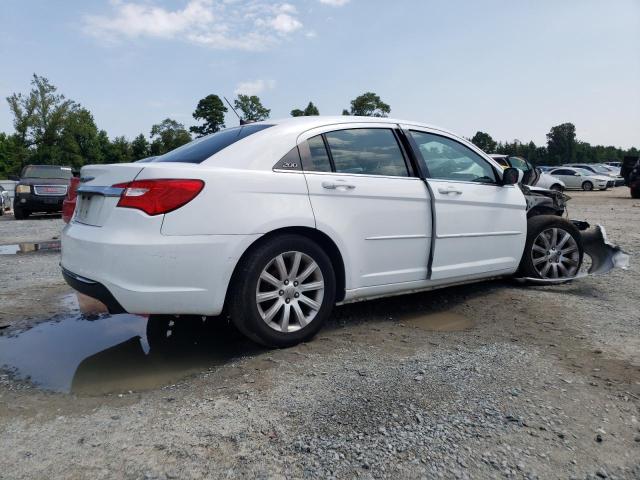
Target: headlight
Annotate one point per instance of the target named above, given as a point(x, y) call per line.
point(23, 189)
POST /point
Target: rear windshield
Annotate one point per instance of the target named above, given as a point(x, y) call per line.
point(202, 148)
point(36, 171)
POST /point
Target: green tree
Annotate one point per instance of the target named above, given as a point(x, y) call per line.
point(368, 105)
point(310, 111)
point(9, 157)
point(139, 148)
point(168, 135)
point(120, 151)
point(79, 143)
point(39, 119)
point(251, 108)
point(104, 145)
point(211, 111)
point(561, 144)
point(484, 142)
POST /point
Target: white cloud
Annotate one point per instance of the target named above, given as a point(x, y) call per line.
point(254, 87)
point(221, 24)
point(285, 23)
point(335, 3)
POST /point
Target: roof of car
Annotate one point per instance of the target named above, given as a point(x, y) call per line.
point(307, 123)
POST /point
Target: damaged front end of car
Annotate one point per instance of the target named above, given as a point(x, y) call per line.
point(541, 201)
point(604, 255)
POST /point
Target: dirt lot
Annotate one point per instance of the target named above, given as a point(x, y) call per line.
point(480, 381)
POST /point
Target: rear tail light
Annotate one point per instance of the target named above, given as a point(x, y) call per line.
point(155, 197)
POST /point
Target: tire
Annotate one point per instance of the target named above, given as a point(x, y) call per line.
point(557, 187)
point(19, 213)
point(587, 186)
point(257, 306)
point(635, 193)
point(563, 257)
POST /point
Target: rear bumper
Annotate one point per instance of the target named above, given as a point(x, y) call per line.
point(146, 272)
point(93, 289)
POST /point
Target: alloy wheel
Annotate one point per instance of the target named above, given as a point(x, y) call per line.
point(555, 254)
point(290, 291)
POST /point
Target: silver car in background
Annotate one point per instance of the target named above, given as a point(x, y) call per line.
point(581, 178)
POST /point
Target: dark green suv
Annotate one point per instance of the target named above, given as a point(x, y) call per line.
point(41, 188)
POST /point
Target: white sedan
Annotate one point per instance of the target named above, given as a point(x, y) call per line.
point(273, 223)
point(574, 177)
point(543, 180)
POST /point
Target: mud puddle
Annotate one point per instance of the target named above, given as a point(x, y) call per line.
point(119, 353)
point(439, 322)
point(29, 247)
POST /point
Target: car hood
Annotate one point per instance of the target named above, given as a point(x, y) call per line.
point(600, 177)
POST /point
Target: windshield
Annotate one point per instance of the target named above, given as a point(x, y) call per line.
point(584, 171)
point(202, 148)
point(47, 171)
point(601, 169)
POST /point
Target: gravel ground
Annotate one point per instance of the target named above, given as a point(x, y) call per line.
point(479, 381)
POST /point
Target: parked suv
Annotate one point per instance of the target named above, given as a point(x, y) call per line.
point(631, 172)
point(41, 188)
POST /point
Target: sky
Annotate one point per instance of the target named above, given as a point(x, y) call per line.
point(510, 68)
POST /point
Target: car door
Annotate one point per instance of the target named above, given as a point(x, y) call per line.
point(569, 177)
point(480, 225)
point(365, 196)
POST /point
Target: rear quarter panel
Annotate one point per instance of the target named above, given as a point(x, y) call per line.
point(236, 202)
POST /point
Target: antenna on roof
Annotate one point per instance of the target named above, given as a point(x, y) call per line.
point(242, 122)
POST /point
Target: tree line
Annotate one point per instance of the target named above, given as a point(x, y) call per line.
point(49, 128)
point(562, 147)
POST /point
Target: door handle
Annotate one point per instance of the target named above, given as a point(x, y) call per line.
point(334, 186)
point(448, 190)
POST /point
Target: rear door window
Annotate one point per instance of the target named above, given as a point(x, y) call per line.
point(367, 151)
point(202, 148)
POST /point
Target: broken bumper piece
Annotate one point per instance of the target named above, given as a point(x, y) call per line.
point(605, 256)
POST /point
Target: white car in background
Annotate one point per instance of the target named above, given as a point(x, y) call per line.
point(581, 178)
point(600, 169)
point(544, 180)
point(273, 223)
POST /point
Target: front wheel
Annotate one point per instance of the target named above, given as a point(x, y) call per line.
point(587, 186)
point(282, 291)
point(553, 249)
point(19, 213)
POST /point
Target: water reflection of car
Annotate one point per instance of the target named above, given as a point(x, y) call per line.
point(580, 178)
point(544, 180)
point(5, 201)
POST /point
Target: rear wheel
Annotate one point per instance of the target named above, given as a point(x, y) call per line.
point(283, 291)
point(557, 187)
point(553, 249)
point(587, 186)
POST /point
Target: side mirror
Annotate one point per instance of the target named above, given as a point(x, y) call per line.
point(577, 174)
point(15, 178)
point(511, 176)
